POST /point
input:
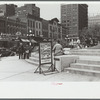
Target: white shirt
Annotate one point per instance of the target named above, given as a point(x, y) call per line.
point(57, 48)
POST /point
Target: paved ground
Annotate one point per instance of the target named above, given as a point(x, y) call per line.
point(13, 69)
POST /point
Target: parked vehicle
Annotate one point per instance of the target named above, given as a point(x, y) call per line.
point(6, 52)
point(14, 48)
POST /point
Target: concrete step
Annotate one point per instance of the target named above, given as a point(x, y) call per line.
point(87, 57)
point(35, 54)
point(88, 62)
point(86, 52)
point(83, 71)
point(34, 59)
point(32, 62)
point(45, 66)
point(85, 66)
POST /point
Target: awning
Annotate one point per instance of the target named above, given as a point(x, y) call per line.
point(25, 40)
point(33, 41)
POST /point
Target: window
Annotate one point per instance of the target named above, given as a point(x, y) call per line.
point(33, 24)
point(67, 20)
point(54, 23)
point(36, 33)
point(67, 24)
point(39, 26)
point(59, 30)
point(50, 28)
point(39, 33)
point(36, 24)
point(28, 22)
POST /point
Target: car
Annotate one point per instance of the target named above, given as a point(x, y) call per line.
point(6, 52)
point(14, 48)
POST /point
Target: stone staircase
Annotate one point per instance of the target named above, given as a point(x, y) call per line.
point(34, 60)
point(92, 52)
point(85, 65)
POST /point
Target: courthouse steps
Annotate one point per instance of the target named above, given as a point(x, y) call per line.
point(85, 65)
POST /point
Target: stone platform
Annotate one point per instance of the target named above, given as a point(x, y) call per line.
point(85, 65)
point(92, 52)
point(81, 61)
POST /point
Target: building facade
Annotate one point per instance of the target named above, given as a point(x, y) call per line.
point(75, 18)
point(26, 21)
point(45, 24)
point(64, 33)
point(34, 25)
point(11, 26)
point(7, 9)
point(28, 9)
point(94, 20)
point(54, 29)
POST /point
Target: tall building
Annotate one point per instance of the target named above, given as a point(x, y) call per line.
point(28, 9)
point(94, 20)
point(74, 17)
point(7, 9)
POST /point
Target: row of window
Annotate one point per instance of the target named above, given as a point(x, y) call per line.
point(55, 29)
point(13, 30)
point(38, 33)
point(38, 25)
point(32, 24)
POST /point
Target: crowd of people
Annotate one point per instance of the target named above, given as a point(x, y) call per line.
point(25, 51)
point(90, 42)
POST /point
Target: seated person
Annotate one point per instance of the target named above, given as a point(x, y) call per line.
point(58, 49)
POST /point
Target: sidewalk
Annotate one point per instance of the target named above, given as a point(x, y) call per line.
point(14, 69)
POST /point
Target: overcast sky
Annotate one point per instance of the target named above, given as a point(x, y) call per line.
point(49, 10)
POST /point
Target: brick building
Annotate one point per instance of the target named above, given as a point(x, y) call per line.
point(12, 26)
point(45, 24)
point(28, 9)
point(26, 20)
point(8, 9)
point(55, 29)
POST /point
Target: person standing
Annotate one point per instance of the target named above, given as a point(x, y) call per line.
point(78, 44)
point(21, 50)
point(27, 52)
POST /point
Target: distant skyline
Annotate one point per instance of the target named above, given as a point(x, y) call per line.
point(49, 10)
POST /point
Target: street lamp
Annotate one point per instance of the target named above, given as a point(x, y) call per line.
point(52, 35)
point(30, 31)
point(66, 40)
point(6, 24)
